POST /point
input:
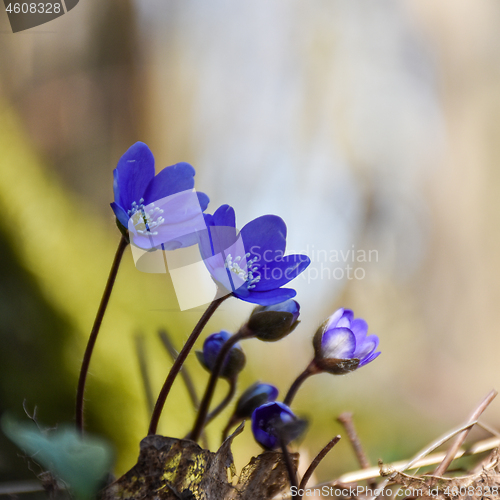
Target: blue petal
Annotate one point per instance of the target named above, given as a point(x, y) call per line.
point(369, 359)
point(343, 322)
point(204, 200)
point(266, 440)
point(224, 216)
point(271, 391)
point(268, 298)
point(171, 180)
point(265, 233)
point(223, 233)
point(212, 346)
point(365, 347)
point(360, 328)
point(291, 306)
point(120, 214)
point(334, 319)
point(264, 416)
point(280, 272)
point(134, 172)
point(348, 314)
point(338, 343)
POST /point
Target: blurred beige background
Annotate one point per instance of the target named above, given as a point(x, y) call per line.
point(365, 125)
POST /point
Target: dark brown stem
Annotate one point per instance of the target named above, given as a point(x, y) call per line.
point(229, 396)
point(292, 473)
point(310, 370)
point(320, 456)
point(95, 331)
point(212, 382)
point(160, 402)
point(227, 399)
point(450, 455)
point(186, 377)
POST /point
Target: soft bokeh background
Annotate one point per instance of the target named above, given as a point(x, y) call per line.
point(365, 125)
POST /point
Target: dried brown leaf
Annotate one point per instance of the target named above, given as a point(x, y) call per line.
point(265, 476)
point(173, 469)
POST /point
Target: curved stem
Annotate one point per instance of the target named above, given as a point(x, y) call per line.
point(227, 399)
point(310, 370)
point(95, 331)
point(320, 456)
point(186, 377)
point(292, 473)
point(214, 376)
point(160, 402)
point(229, 396)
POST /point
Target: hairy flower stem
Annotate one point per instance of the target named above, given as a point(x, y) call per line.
point(186, 377)
point(312, 369)
point(229, 396)
point(201, 418)
point(292, 473)
point(160, 402)
point(95, 331)
point(320, 456)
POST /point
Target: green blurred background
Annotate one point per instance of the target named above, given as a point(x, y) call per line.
point(365, 125)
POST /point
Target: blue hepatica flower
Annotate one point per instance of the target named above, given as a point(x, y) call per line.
point(234, 362)
point(256, 395)
point(273, 422)
point(157, 209)
point(251, 264)
point(342, 343)
point(271, 323)
point(290, 306)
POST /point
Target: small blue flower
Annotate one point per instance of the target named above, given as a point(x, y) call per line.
point(271, 323)
point(256, 395)
point(251, 264)
point(342, 343)
point(137, 189)
point(289, 306)
point(234, 362)
point(273, 422)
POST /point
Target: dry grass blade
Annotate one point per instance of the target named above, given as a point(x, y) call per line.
point(423, 459)
point(143, 367)
point(441, 469)
point(21, 487)
point(346, 420)
point(186, 377)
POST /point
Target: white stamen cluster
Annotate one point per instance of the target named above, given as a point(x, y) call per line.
point(248, 275)
point(146, 220)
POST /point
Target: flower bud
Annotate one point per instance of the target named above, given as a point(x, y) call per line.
point(235, 359)
point(341, 344)
point(256, 395)
point(274, 423)
point(271, 323)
